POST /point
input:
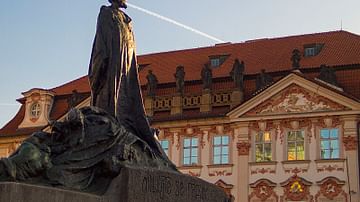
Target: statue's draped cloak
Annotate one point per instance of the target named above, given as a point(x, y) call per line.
point(113, 74)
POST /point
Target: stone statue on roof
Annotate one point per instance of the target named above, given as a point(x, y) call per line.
point(206, 77)
point(295, 58)
point(328, 75)
point(263, 80)
point(180, 79)
point(151, 83)
point(237, 74)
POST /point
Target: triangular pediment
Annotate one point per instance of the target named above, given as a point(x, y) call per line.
point(295, 99)
point(295, 95)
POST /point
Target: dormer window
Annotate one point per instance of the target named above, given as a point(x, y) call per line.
point(217, 60)
point(311, 50)
point(35, 110)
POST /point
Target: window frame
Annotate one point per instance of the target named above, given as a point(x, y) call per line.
point(37, 110)
point(340, 143)
point(182, 160)
point(212, 158)
point(263, 142)
point(296, 152)
point(169, 146)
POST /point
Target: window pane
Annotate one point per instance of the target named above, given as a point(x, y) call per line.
point(186, 160)
point(334, 134)
point(324, 133)
point(225, 150)
point(217, 140)
point(194, 142)
point(335, 154)
point(291, 136)
point(258, 152)
point(325, 144)
point(217, 160)
point(225, 159)
point(164, 144)
point(334, 144)
point(186, 153)
point(291, 151)
point(267, 137)
point(267, 152)
point(217, 150)
point(186, 142)
point(325, 154)
point(194, 152)
point(300, 135)
point(225, 140)
point(193, 160)
point(259, 137)
point(300, 151)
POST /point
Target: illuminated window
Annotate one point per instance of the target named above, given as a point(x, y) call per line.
point(221, 150)
point(295, 145)
point(329, 144)
point(165, 146)
point(263, 147)
point(190, 155)
point(35, 110)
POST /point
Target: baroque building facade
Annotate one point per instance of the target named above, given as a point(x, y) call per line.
point(267, 120)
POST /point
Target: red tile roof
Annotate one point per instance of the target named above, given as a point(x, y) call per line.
point(340, 49)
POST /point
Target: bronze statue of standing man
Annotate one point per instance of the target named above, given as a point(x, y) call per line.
point(113, 72)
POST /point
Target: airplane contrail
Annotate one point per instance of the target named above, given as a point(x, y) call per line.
point(175, 23)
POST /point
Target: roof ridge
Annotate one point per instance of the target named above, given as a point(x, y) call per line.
point(248, 41)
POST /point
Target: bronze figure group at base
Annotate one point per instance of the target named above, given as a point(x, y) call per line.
point(87, 150)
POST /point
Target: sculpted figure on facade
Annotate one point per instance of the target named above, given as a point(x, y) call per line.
point(206, 76)
point(295, 58)
point(328, 75)
point(180, 79)
point(263, 79)
point(152, 83)
point(237, 74)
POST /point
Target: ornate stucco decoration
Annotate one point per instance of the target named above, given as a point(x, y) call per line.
point(295, 99)
point(226, 187)
point(243, 148)
point(331, 189)
point(296, 189)
point(350, 143)
point(263, 189)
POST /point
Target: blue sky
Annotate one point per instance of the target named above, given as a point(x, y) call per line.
point(47, 43)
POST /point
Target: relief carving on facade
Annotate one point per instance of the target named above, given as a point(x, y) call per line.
point(221, 130)
point(295, 99)
point(190, 131)
point(331, 188)
point(350, 143)
point(243, 148)
point(263, 189)
point(296, 189)
point(226, 187)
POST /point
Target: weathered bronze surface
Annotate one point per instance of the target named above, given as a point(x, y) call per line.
point(295, 58)
point(328, 75)
point(113, 73)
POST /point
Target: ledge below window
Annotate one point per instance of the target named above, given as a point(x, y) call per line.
point(264, 167)
point(330, 165)
point(296, 166)
point(193, 170)
point(220, 169)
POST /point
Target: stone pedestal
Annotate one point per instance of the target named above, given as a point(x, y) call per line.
point(132, 185)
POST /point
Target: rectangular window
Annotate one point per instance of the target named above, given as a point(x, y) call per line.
point(215, 62)
point(221, 150)
point(165, 146)
point(190, 151)
point(263, 147)
point(295, 145)
point(329, 143)
point(310, 52)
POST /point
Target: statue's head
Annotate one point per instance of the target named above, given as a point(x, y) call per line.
point(118, 3)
